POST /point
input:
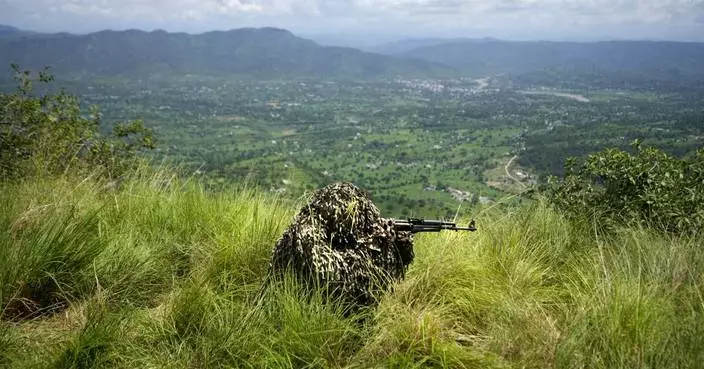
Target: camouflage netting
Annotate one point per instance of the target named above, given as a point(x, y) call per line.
point(340, 241)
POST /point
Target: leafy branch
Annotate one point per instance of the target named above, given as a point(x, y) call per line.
point(48, 134)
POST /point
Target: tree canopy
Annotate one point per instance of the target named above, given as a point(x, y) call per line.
point(47, 133)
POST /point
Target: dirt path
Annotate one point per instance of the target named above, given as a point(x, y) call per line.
point(508, 174)
point(575, 97)
point(483, 83)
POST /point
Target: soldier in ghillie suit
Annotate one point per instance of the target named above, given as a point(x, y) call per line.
point(340, 242)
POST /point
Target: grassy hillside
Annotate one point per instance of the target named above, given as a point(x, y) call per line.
point(155, 272)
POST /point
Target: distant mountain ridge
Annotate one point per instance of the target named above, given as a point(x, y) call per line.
point(494, 57)
point(409, 44)
point(277, 53)
point(255, 52)
point(9, 30)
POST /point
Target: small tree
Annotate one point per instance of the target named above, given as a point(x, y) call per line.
point(648, 186)
point(49, 135)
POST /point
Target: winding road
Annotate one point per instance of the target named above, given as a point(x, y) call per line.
point(508, 174)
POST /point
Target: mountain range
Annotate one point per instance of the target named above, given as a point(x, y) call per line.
point(277, 53)
point(10, 31)
point(253, 52)
point(490, 56)
point(402, 46)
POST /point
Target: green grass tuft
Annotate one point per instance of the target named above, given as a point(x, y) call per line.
point(93, 344)
point(45, 254)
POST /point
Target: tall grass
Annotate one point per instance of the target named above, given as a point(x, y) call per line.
point(157, 272)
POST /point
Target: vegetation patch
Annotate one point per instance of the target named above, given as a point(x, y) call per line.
point(178, 284)
point(648, 186)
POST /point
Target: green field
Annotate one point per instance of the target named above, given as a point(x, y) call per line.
point(424, 147)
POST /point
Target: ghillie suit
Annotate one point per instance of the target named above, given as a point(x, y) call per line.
point(340, 242)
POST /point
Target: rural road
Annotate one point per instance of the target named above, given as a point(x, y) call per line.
point(508, 174)
point(575, 97)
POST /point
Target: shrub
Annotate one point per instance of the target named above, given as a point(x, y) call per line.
point(49, 135)
point(647, 186)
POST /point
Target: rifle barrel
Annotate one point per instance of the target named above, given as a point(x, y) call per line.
point(422, 225)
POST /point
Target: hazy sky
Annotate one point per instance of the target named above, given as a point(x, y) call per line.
point(513, 19)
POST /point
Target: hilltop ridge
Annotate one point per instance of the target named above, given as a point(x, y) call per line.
point(271, 52)
point(9, 30)
point(164, 273)
point(252, 52)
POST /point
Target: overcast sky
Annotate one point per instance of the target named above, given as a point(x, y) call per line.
point(380, 19)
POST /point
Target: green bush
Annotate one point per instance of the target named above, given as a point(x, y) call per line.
point(648, 186)
point(47, 134)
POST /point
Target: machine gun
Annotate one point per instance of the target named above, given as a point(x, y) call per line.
point(416, 225)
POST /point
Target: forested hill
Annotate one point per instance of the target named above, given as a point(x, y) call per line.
point(493, 57)
point(9, 31)
point(260, 53)
point(276, 53)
